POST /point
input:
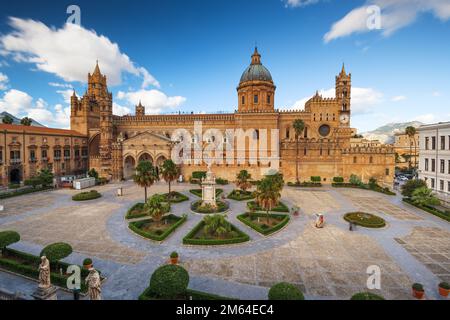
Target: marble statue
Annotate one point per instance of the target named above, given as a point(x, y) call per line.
point(94, 285)
point(44, 273)
point(320, 221)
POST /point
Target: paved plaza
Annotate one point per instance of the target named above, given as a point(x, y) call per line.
point(327, 263)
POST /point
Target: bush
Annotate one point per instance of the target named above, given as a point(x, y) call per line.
point(240, 195)
point(355, 180)
point(338, 180)
point(174, 255)
point(101, 181)
point(198, 175)
point(33, 182)
point(21, 192)
point(433, 211)
point(264, 229)
point(14, 186)
point(305, 184)
point(198, 208)
point(418, 287)
point(285, 291)
point(444, 285)
point(366, 296)
point(56, 251)
point(281, 207)
point(316, 179)
point(137, 228)
point(411, 185)
point(221, 181)
point(175, 197)
point(87, 261)
point(169, 281)
point(190, 237)
point(85, 196)
point(7, 238)
point(93, 173)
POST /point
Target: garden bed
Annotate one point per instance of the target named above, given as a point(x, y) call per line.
point(281, 207)
point(175, 197)
point(305, 185)
point(198, 192)
point(240, 195)
point(364, 187)
point(438, 213)
point(189, 295)
point(157, 231)
point(27, 265)
point(198, 236)
point(263, 224)
point(363, 219)
point(222, 207)
point(86, 196)
point(137, 211)
point(16, 193)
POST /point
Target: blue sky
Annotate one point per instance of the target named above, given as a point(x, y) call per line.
point(189, 55)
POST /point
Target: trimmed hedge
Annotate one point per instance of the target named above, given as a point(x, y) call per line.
point(189, 238)
point(222, 182)
point(10, 194)
point(281, 207)
point(8, 237)
point(198, 175)
point(56, 251)
point(364, 187)
point(195, 295)
point(198, 192)
point(136, 227)
point(285, 291)
point(221, 207)
point(366, 296)
point(240, 195)
point(85, 196)
point(29, 268)
point(363, 219)
point(433, 211)
point(338, 180)
point(137, 206)
point(179, 197)
point(245, 218)
point(316, 179)
point(169, 281)
point(305, 184)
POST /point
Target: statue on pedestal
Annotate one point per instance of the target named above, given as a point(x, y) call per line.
point(44, 273)
point(209, 189)
point(320, 221)
point(94, 285)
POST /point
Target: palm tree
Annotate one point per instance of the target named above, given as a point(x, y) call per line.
point(299, 126)
point(411, 132)
point(243, 180)
point(170, 172)
point(145, 175)
point(26, 121)
point(155, 208)
point(217, 225)
point(268, 195)
point(424, 197)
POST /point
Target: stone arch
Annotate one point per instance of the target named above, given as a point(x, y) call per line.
point(145, 156)
point(94, 145)
point(160, 158)
point(129, 166)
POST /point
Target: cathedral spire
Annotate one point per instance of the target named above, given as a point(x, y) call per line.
point(343, 72)
point(97, 69)
point(256, 57)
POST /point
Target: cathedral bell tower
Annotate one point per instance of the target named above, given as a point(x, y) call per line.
point(343, 95)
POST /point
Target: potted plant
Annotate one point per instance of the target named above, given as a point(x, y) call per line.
point(418, 290)
point(174, 258)
point(87, 263)
point(444, 289)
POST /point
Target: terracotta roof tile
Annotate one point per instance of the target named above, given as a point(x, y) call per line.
point(38, 130)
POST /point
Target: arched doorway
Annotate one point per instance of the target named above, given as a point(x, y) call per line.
point(15, 176)
point(160, 161)
point(129, 167)
point(145, 157)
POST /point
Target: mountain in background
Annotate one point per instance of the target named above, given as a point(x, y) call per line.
point(17, 120)
point(386, 133)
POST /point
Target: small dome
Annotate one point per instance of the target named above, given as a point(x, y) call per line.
point(256, 71)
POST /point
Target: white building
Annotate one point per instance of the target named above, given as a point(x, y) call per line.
point(434, 158)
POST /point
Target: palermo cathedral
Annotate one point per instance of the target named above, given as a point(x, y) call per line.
point(117, 143)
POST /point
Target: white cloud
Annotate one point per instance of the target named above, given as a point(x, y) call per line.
point(66, 94)
point(431, 118)
point(120, 110)
point(395, 14)
point(15, 102)
point(398, 98)
point(60, 85)
point(299, 3)
point(3, 81)
point(154, 101)
point(69, 52)
point(364, 100)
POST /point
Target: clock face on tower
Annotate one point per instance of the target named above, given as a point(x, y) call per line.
point(344, 118)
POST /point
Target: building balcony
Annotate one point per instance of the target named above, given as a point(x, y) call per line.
point(44, 159)
point(33, 160)
point(15, 161)
point(67, 158)
point(57, 158)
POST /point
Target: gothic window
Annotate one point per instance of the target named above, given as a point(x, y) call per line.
point(243, 99)
point(355, 159)
point(287, 132)
point(371, 160)
point(255, 98)
point(324, 130)
point(306, 132)
point(268, 98)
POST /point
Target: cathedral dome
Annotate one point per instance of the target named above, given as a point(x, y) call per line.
point(256, 71)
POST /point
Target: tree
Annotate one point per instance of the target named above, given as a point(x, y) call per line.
point(7, 238)
point(277, 179)
point(268, 195)
point(26, 121)
point(299, 126)
point(155, 207)
point(93, 173)
point(217, 225)
point(243, 180)
point(411, 132)
point(170, 172)
point(411, 185)
point(424, 197)
point(145, 176)
point(7, 119)
point(46, 177)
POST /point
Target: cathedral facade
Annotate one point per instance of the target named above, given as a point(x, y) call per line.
point(118, 143)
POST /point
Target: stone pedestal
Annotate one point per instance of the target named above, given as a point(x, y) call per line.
point(45, 293)
point(209, 189)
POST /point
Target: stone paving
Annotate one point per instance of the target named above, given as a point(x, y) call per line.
point(326, 264)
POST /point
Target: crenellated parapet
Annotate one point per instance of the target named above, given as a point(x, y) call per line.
point(369, 150)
